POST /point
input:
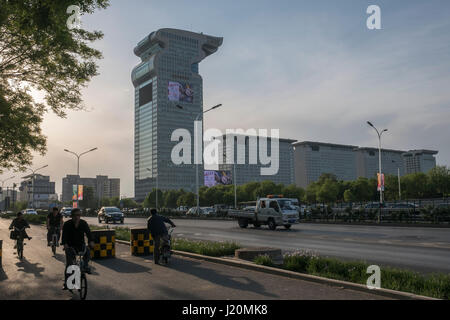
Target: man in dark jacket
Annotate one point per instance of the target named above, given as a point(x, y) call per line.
point(157, 228)
point(54, 225)
point(21, 224)
point(73, 234)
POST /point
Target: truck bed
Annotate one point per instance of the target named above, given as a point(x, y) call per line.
point(241, 214)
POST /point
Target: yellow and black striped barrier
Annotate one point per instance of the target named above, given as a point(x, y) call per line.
point(141, 242)
point(104, 244)
point(1, 245)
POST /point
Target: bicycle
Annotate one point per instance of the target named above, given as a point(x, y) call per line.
point(55, 239)
point(166, 246)
point(78, 261)
point(19, 241)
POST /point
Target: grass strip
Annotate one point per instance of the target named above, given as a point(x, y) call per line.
point(436, 285)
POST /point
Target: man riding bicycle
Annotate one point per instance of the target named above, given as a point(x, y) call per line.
point(21, 224)
point(55, 222)
point(73, 234)
point(157, 228)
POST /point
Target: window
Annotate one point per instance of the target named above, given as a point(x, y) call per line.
point(145, 94)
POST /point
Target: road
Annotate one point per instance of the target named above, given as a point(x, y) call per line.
point(421, 249)
point(40, 276)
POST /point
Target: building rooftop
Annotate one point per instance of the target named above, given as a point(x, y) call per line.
point(432, 152)
point(345, 146)
point(244, 135)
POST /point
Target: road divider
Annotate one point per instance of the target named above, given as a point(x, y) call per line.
point(104, 244)
point(141, 242)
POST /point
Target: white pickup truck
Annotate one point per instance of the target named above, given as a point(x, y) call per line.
point(272, 211)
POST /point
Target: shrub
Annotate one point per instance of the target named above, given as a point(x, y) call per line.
point(264, 260)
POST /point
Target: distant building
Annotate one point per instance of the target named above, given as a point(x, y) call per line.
point(38, 191)
point(367, 164)
point(248, 172)
point(419, 161)
point(312, 159)
point(7, 198)
point(102, 186)
point(347, 162)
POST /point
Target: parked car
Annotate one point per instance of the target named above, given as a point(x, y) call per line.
point(250, 208)
point(66, 211)
point(29, 211)
point(201, 211)
point(110, 214)
point(182, 209)
point(405, 205)
point(207, 210)
point(374, 205)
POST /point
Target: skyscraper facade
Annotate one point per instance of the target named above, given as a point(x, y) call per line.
point(167, 78)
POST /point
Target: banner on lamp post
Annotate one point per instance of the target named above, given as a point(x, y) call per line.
point(380, 182)
point(80, 193)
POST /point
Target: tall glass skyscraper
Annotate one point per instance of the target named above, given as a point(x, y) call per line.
point(167, 76)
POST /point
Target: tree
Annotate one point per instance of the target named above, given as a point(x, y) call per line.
point(150, 200)
point(349, 196)
point(129, 203)
point(170, 198)
point(187, 199)
point(89, 199)
point(439, 178)
point(328, 192)
point(292, 191)
point(38, 51)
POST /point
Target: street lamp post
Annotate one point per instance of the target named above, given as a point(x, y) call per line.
point(196, 165)
point(3, 183)
point(78, 165)
point(379, 163)
point(234, 182)
point(399, 184)
point(32, 183)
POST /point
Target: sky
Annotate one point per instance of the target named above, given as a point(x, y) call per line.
point(309, 68)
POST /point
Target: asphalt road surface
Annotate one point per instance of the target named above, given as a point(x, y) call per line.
point(40, 276)
point(421, 249)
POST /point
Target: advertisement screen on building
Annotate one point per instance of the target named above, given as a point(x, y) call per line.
point(80, 193)
point(180, 92)
point(74, 192)
point(214, 178)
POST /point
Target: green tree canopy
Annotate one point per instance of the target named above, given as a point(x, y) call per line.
point(38, 51)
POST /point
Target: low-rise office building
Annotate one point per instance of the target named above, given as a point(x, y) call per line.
point(103, 187)
point(348, 162)
point(251, 172)
point(38, 191)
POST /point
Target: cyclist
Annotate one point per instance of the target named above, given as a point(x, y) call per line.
point(73, 234)
point(55, 222)
point(158, 230)
point(20, 223)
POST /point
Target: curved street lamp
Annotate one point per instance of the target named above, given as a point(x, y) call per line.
point(379, 162)
point(200, 114)
point(78, 163)
point(32, 187)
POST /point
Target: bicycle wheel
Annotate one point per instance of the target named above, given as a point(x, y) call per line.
point(20, 249)
point(83, 289)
